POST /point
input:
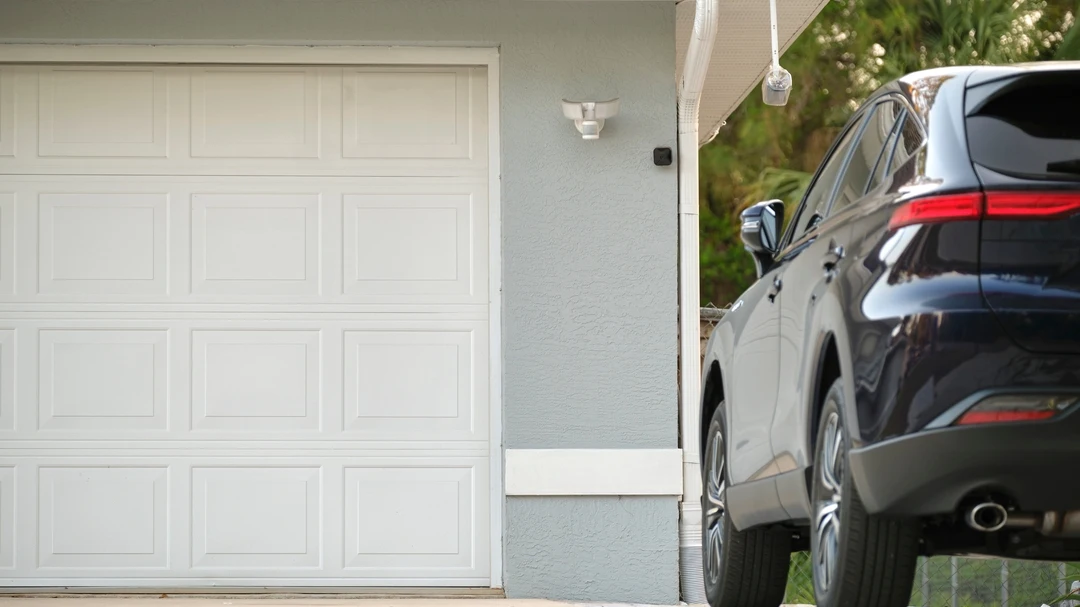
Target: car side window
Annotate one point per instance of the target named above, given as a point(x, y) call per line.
point(910, 140)
point(817, 198)
point(881, 169)
point(857, 175)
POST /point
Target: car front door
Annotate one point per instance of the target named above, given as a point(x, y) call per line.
point(809, 266)
point(757, 375)
point(754, 380)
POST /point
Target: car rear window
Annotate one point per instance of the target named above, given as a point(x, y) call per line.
point(1029, 127)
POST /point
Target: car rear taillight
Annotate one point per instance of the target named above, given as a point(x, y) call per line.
point(936, 209)
point(992, 205)
point(1016, 408)
point(1033, 205)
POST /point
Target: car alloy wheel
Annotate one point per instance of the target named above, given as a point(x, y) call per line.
point(827, 509)
point(714, 506)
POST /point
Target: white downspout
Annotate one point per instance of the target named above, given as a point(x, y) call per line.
point(698, 54)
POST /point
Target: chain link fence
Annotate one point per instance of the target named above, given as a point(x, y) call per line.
point(950, 581)
point(964, 582)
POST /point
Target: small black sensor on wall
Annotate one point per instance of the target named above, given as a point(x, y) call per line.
point(662, 157)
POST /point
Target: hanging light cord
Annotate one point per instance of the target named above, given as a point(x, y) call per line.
point(775, 43)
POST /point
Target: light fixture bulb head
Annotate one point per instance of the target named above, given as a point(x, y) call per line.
point(776, 87)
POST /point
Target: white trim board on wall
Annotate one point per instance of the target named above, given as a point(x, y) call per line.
point(566, 472)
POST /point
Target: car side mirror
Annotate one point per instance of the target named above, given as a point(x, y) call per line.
point(761, 225)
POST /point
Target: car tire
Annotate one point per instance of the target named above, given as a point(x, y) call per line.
point(857, 559)
point(741, 568)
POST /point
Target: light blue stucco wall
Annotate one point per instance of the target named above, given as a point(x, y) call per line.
point(589, 237)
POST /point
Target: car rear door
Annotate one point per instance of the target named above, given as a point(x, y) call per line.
point(1024, 140)
point(810, 267)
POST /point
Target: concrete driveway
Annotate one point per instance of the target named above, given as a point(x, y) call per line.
point(180, 601)
point(188, 601)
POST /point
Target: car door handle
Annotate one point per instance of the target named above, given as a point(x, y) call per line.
point(774, 290)
point(830, 260)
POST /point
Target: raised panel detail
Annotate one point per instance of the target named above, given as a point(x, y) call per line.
point(385, 395)
point(94, 379)
point(255, 244)
point(7, 243)
point(252, 380)
point(409, 517)
point(103, 517)
point(406, 113)
point(408, 244)
point(7, 113)
point(7, 379)
point(256, 517)
point(7, 517)
point(96, 243)
point(255, 113)
point(104, 112)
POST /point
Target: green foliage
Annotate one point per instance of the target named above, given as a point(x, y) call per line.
point(1069, 48)
point(852, 48)
point(782, 184)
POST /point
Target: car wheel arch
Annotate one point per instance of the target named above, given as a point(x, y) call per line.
point(717, 360)
point(712, 394)
point(826, 371)
point(831, 360)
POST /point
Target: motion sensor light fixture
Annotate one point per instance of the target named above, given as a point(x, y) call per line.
point(589, 116)
point(776, 87)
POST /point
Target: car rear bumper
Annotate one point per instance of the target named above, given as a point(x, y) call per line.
point(1037, 464)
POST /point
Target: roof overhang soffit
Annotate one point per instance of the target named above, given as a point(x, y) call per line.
point(741, 53)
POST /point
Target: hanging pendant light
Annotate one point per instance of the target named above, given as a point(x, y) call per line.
point(776, 87)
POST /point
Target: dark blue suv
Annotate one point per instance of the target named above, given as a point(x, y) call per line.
point(904, 377)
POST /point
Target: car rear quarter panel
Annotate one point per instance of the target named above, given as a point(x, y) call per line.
point(914, 311)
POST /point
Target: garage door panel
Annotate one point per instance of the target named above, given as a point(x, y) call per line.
point(252, 381)
point(7, 244)
point(244, 326)
point(7, 380)
point(103, 379)
point(249, 240)
point(98, 517)
point(346, 518)
point(412, 246)
point(266, 120)
point(7, 112)
point(256, 517)
point(255, 112)
point(102, 111)
point(107, 243)
point(255, 244)
point(408, 113)
point(413, 383)
point(7, 517)
point(405, 517)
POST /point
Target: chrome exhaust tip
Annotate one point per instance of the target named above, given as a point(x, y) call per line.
point(987, 517)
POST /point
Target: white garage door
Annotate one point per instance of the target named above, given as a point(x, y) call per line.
point(244, 326)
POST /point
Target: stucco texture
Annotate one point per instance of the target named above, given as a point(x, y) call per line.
point(589, 236)
point(611, 549)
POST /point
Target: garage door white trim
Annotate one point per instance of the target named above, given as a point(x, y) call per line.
point(352, 55)
point(248, 54)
